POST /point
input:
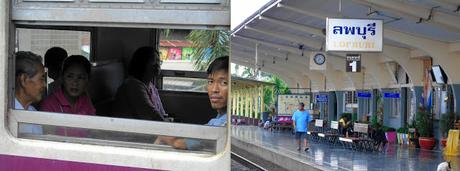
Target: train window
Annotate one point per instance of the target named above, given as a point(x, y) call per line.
point(96, 121)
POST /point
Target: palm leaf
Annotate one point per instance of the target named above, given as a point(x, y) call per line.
point(208, 45)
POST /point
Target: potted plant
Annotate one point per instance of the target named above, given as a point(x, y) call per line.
point(446, 123)
point(424, 125)
point(403, 135)
point(390, 134)
point(413, 134)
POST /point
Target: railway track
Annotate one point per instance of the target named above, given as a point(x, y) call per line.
point(249, 165)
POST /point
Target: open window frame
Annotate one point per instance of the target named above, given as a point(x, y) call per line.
point(219, 135)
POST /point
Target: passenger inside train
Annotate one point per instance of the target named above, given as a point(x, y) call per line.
point(53, 62)
point(29, 86)
point(106, 78)
point(71, 96)
point(127, 83)
point(218, 95)
point(137, 97)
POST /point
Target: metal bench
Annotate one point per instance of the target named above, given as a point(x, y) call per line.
point(316, 134)
point(360, 140)
point(331, 135)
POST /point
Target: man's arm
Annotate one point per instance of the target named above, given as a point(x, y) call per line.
point(293, 121)
point(308, 120)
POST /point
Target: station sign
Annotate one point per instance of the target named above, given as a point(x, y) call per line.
point(391, 95)
point(364, 94)
point(321, 98)
point(353, 63)
point(354, 35)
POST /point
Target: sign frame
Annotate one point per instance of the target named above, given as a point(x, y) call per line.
point(334, 42)
point(322, 98)
point(391, 95)
point(353, 60)
point(287, 104)
point(365, 95)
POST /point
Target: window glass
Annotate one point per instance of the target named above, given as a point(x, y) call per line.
point(185, 84)
point(39, 41)
point(113, 138)
point(351, 101)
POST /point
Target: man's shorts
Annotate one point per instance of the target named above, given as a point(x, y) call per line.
point(299, 135)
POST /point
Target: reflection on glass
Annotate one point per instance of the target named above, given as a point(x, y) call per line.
point(103, 137)
point(184, 84)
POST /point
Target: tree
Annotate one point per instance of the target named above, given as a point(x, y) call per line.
point(279, 87)
point(208, 45)
point(247, 72)
point(237, 69)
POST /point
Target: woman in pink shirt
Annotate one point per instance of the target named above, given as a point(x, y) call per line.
point(72, 97)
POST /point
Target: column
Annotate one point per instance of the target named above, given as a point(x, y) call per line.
point(332, 106)
point(340, 102)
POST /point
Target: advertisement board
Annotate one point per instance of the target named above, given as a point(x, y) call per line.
point(289, 103)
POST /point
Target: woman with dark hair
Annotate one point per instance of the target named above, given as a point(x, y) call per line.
point(137, 97)
point(72, 96)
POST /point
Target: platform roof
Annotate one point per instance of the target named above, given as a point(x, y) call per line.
point(281, 26)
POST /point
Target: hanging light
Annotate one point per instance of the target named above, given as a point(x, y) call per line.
point(301, 48)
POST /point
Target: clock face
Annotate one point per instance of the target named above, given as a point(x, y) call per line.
point(319, 59)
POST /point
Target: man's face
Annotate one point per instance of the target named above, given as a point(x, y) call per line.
point(35, 86)
point(301, 107)
point(218, 89)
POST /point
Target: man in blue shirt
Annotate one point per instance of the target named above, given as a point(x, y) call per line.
point(300, 119)
point(218, 79)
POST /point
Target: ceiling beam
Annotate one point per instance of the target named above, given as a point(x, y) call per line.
point(416, 12)
point(292, 25)
point(450, 2)
point(283, 36)
point(336, 77)
point(288, 78)
point(336, 62)
point(398, 57)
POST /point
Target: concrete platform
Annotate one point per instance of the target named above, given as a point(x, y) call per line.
point(280, 147)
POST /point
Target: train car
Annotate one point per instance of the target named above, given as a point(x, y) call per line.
point(112, 31)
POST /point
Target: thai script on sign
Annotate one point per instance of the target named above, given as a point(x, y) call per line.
point(353, 30)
